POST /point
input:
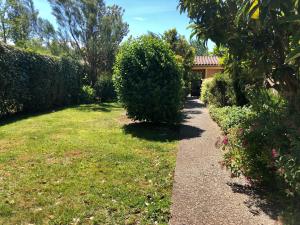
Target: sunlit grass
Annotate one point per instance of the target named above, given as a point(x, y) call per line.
point(83, 165)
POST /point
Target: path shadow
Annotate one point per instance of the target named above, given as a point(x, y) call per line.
point(191, 103)
point(274, 204)
point(191, 108)
point(257, 200)
point(189, 132)
point(188, 114)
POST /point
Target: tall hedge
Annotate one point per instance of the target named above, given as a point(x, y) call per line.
point(31, 82)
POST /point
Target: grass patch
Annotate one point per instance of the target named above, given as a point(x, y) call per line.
point(84, 165)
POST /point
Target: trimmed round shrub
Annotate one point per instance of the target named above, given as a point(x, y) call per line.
point(148, 80)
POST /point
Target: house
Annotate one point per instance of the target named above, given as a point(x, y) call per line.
point(206, 67)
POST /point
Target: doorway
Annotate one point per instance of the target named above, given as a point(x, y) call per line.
point(196, 88)
point(196, 83)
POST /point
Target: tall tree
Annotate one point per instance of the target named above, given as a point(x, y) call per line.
point(45, 31)
point(19, 21)
point(199, 46)
point(93, 29)
point(262, 35)
point(22, 20)
point(3, 21)
point(184, 51)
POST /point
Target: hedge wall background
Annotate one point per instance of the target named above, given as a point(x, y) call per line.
point(31, 82)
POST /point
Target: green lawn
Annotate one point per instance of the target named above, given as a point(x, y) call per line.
point(84, 165)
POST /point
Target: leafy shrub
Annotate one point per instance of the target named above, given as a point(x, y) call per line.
point(205, 88)
point(231, 116)
point(32, 82)
point(148, 80)
point(105, 89)
point(87, 94)
point(186, 76)
point(219, 91)
point(264, 147)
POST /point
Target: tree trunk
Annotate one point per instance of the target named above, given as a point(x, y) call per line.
point(4, 31)
point(93, 74)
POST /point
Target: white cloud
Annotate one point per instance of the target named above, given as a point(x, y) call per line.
point(137, 18)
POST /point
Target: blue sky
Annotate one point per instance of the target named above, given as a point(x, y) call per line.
point(141, 15)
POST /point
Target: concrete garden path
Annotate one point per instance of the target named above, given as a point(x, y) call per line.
point(203, 192)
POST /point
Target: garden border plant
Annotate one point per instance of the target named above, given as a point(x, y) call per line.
point(258, 144)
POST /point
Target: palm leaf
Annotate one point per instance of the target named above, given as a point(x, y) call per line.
point(295, 54)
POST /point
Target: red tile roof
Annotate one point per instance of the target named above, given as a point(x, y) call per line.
point(207, 61)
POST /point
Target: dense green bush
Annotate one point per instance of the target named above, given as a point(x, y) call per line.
point(104, 87)
point(218, 91)
point(32, 82)
point(148, 80)
point(87, 94)
point(262, 145)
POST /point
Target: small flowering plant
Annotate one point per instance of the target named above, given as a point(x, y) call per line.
point(225, 140)
point(275, 153)
point(261, 145)
point(234, 156)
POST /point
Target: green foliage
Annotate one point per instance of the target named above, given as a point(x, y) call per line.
point(87, 94)
point(32, 82)
point(259, 144)
point(231, 116)
point(148, 80)
point(205, 88)
point(105, 89)
point(220, 51)
point(93, 29)
point(21, 17)
point(200, 47)
point(185, 55)
point(266, 46)
point(219, 91)
point(20, 22)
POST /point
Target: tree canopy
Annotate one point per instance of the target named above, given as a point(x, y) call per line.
point(88, 30)
point(20, 21)
point(199, 46)
point(93, 29)
point(260, 35)
point(185, 54)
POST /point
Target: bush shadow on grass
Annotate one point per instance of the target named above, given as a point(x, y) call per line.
point(94, 107)
point(275, 205)
point(161, 132)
